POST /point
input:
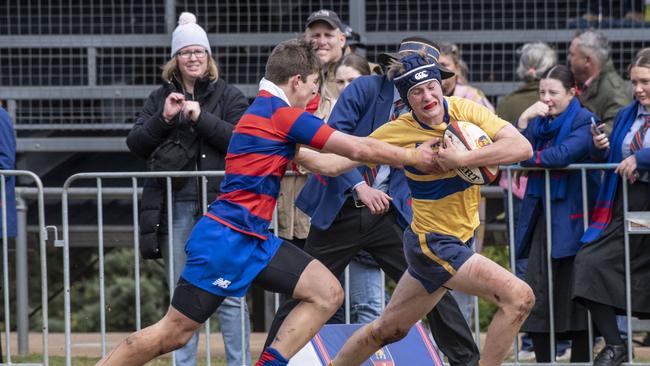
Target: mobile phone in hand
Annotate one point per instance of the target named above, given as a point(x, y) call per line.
point(594, 126)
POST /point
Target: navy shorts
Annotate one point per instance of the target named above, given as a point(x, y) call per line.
point(434, 258)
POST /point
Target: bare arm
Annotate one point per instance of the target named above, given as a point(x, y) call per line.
point(509, 147)
point(373, 151)
point(356, 151)
point(325, 164)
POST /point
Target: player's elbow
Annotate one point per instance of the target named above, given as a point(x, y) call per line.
point(522, 150)
point(331, 171)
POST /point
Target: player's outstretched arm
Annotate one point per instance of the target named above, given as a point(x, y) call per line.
point(509, 147)
point(373, 151)
point(322, 163)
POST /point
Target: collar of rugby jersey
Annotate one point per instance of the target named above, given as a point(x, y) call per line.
point(272, 88)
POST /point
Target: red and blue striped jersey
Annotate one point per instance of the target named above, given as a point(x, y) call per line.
point(262, 145)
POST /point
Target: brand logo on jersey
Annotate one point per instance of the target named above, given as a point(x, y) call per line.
point(221, 283)
point(421, 75)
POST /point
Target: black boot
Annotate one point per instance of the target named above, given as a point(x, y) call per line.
point(611, 355)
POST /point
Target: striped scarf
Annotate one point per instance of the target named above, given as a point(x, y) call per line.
point(602, 214)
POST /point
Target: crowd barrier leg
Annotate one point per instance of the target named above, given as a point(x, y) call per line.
point(21, 274)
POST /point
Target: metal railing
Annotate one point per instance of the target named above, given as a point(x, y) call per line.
point(63, 71)
point(583, 168)
point(99, 192)
point(99, 177)
point(22, 308)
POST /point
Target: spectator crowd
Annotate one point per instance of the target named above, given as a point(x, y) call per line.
point(573, 113)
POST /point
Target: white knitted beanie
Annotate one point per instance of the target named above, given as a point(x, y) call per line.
point(188, 33)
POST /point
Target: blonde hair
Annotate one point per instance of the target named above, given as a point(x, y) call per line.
point(170, 70)
point(396, 67)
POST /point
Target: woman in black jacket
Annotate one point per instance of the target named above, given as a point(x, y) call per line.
point(186, 124)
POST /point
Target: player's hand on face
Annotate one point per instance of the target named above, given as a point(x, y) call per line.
point(173, 105)
point(192, 109)
point(449, 157)
point(600, 138)
point(376, 200)
point(627, 169)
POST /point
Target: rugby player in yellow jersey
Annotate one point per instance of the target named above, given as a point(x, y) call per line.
point(445, 216)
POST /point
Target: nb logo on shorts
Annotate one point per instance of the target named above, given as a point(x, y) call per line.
point(221, 283)
point(421, 75)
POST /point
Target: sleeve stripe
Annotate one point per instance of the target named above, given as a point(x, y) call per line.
point(322, 135)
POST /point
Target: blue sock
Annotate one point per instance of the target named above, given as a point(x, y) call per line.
point(271, 357)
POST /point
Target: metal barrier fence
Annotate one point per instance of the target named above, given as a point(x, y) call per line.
point(583, 168)
point(99, 177)
point(167, 176)
point(21, 303)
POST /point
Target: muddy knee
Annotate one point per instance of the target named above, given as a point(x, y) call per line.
point(527, 298)
point(524, 300)
point(384, 334)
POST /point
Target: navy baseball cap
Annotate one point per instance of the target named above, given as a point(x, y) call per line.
point(326, 16)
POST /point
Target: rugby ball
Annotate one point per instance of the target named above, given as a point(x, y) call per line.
point(467, 136)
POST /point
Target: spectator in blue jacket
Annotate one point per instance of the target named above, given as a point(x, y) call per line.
point(8, 162)
point(600, 264)
point(558, 127)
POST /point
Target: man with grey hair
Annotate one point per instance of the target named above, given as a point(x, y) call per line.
point(603, 91)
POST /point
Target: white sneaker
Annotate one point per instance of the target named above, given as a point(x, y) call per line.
point(566, 356)
point(524, 355)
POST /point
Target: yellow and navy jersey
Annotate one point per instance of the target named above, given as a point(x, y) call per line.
point(442, 203)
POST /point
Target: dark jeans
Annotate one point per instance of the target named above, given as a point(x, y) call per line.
point(355, 229)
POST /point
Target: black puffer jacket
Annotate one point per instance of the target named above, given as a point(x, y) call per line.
point(222, 106)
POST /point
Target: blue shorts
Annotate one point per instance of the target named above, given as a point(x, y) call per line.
point(223, 261)
point(434, 258)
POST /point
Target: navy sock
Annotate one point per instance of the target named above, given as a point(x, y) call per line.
point(271, 357)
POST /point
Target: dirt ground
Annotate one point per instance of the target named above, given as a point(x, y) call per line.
point(89, 345)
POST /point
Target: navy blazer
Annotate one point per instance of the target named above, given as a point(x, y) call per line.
point(566, 214)
point(363, 107)
point(8, 162)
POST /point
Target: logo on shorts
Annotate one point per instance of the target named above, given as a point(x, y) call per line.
point(221, 283)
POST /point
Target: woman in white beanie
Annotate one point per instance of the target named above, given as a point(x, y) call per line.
point(186, 125)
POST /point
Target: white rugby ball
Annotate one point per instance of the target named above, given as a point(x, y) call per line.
point(467, 136)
